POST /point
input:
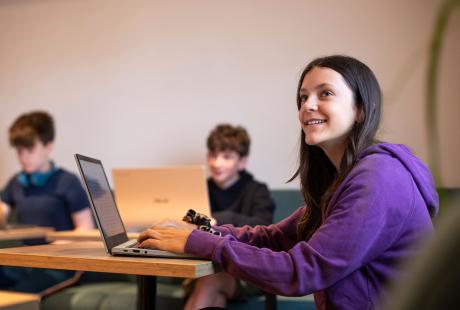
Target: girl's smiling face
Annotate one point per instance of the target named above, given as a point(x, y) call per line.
point(327, 111)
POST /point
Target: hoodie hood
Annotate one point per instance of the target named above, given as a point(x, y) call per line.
point(419, 171)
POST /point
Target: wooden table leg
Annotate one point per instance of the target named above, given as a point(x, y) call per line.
point(146, 292)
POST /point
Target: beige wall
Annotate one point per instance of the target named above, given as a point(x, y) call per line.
point(140, 83)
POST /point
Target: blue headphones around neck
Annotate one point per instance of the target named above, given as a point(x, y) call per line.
point(37, 179)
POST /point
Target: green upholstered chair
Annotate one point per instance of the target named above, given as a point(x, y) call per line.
point(286, 201)
point(111, 296)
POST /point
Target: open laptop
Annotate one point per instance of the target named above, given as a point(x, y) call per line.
point(147, 195)
point(105, 211)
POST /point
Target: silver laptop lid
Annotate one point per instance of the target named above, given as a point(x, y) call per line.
point(147, 195)
point(102, 202)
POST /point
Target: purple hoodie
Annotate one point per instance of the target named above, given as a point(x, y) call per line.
point(374, 221)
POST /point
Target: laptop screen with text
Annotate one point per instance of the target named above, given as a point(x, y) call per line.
point(102, 198)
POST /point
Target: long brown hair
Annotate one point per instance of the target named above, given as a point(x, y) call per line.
point(318, 177)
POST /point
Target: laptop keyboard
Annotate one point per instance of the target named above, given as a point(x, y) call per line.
point(134, 246)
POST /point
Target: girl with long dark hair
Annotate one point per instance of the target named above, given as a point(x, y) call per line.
point(368, 204)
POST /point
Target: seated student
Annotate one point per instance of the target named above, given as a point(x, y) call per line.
point(369, 204)
point(41, 194)
point(235, 198)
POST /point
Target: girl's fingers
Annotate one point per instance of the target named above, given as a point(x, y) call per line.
point(147, 234)
point(149, 243)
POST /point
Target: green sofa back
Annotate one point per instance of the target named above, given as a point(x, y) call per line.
point(286, 201)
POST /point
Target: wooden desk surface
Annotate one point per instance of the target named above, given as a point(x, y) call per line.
point(91, 256)
point(80, 235)
point(14, 299)
point(24, 233)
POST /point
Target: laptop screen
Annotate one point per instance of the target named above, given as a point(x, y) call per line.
point(102, 201)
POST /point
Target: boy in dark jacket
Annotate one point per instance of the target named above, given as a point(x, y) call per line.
point(237, 199)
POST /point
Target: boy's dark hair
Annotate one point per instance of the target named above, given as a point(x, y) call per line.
point(30, 127)
point(226, 137)
point(318, 176)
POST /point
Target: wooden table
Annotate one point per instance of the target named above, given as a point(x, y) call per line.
point(80, 235)
point(91, 256)
point(15, 300)
point(24, 233)
point(18, 301)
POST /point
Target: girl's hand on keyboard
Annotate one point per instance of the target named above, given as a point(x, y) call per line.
point(172, 224)
point(168, 236)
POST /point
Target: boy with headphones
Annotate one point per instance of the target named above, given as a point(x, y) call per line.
point(41, 194)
